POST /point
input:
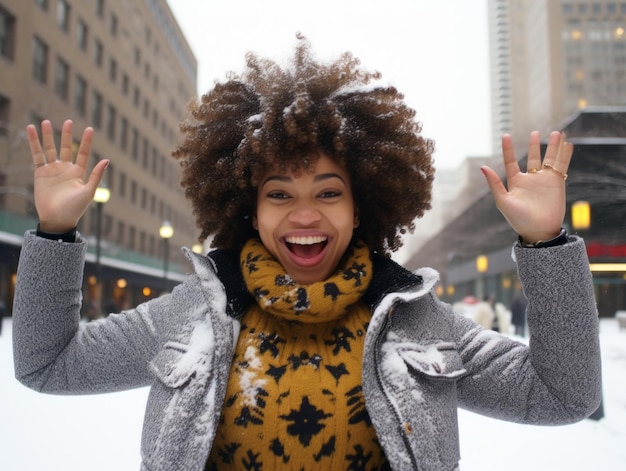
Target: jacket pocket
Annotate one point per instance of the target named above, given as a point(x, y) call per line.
point(170, 367)
point(434, 361)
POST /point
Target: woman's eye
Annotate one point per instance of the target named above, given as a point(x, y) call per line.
point(330, 194)
point(277, 195)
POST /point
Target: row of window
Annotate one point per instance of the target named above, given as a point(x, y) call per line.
point(63, 8)
point(82, 40)
point(40, 67)
point(596, 8)
point(126, 235)
point(7, 34)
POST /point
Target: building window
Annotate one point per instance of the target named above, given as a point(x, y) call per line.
point(63, 15)
point(40, 60)
point(82, 35)
point(122, 191)
point(131, 237)
point(133, 191)
point(80, 95)
point(135, 145)
point(43, 4)
point(100, 8)
point(145, 154)
point(124, 134)
point(112, 70)
point(113, 24)
point(98, 53)
point(111, 119)
point(7, 34)
point(4, 115)
point(136, 97)
point(121, 228)
point(61, 79)
point(137, 56)
point(125, 84)
point(155, 161)
point(96, 109)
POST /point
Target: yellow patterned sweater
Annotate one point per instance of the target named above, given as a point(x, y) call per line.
point(294, 397)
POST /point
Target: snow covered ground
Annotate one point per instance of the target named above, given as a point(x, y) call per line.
point(102, 433)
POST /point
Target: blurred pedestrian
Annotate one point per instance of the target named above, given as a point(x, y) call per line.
point(484, 314)
point(518, 315)
point(502, 316)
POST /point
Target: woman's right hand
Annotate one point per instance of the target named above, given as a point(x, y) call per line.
point(61, 194)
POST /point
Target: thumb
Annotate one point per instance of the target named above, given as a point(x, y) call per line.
point(494, 182)
point(95, 177)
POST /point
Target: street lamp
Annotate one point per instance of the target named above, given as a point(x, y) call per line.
point(482, 265)
point(166, 231)
point(101, 196)
point(581, 215)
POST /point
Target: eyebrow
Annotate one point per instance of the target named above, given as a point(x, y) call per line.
point(317, 178)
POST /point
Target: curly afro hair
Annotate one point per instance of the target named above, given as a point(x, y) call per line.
point(272, 117)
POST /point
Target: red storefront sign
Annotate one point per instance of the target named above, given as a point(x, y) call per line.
point(598, 250)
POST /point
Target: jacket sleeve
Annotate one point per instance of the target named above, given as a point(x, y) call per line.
point(557, 378)
point(53, 351)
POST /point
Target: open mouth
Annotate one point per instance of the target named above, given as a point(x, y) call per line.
point(306, 246)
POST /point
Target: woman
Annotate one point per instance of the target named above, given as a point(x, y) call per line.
point(297, 343)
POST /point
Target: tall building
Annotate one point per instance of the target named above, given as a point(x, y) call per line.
point(126, 69)
point(551, 59)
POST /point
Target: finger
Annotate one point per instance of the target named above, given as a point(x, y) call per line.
point(494, 182)
point(39, 159)
point(48, 141)
point(508, 157)
point(533, 162)
point(564, 156)
point(65, 152)
point(554, 144)
point(95, 177)
point(82, 158)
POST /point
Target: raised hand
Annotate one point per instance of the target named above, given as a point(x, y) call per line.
point(61, 193)
point(534, 204)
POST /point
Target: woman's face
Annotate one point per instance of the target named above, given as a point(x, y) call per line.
point(306, 221)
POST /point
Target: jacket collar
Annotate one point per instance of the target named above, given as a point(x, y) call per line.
point(389, 277)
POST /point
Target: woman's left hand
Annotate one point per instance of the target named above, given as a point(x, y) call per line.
point(534, 204)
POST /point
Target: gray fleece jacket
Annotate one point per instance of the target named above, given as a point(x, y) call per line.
point(421, 360)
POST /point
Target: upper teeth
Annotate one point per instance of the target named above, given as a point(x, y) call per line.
point(306, 240)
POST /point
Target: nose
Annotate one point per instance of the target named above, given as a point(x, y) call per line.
point(304, 214)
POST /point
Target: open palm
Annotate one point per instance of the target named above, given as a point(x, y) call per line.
point(61, 193)
point(534, 204)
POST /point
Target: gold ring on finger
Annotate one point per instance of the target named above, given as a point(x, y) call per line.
point(39, 165)
point(533, 170)
point(558, 172)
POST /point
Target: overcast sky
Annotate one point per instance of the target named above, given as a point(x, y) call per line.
point(434, 51)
